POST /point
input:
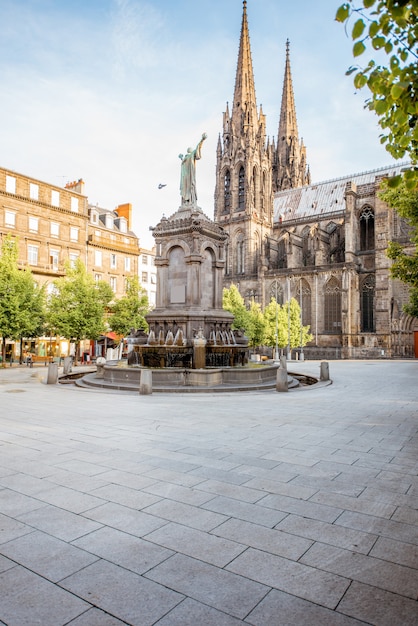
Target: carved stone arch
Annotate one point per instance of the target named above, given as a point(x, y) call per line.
point(208, 277)
point(239, 249)
point(176, 243)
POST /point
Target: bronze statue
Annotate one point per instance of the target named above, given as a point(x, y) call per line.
point(188, 174)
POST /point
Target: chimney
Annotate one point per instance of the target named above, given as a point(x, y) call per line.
point(76, 185)
point(125, 210)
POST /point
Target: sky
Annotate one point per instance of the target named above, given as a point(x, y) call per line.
point(112, 91)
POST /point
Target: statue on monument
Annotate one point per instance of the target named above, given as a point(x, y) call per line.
point(188, 174)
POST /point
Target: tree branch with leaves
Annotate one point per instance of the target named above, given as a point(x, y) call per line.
point(388, 29)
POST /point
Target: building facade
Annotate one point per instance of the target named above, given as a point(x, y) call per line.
point(53, 225)
point(147, 273)
point(323, 244)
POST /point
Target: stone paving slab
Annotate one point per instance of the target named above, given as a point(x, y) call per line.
point(178, 510)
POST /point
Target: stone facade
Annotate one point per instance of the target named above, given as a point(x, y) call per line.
point(324, 244)
point(53, 225)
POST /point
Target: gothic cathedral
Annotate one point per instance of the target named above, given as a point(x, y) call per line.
point(323, 244)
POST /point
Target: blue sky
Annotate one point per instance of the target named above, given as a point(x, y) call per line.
point(112, 91)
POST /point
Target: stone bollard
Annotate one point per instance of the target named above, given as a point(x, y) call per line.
point(145, 383)
point(324, 371)
point(67, 365)
point(283, 363)
point(100, 363)
point(281, 380)
point(52, 377)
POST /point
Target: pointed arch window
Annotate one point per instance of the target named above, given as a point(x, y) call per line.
point(227, 192)
point(263, 193)
point(240, 254)
point(255, 191)
point(332, 306)
point(367, 299)
point(367, 230)
point(241, 189)
point(276, 292)
point(227, 260)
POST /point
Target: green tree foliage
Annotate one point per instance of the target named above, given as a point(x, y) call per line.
point(405, 263)
point(276, 321)
point(389, 30)
point(76, 308)
point(21, 299)
point(233, 302)
point(130, 310)
point(256, 325)
point(299, 335)
point(260, 326)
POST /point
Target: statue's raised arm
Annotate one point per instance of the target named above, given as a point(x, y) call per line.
point(188, 174)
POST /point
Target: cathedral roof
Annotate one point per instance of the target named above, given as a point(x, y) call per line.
point(328, 197)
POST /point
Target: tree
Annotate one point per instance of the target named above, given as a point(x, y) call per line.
point(405, 263)
point(233, 302)
point(299, 335)
point(256, 325)
point(390, 27)
point(21, 299)
point(130, 310)
point(276, 322)
point(76, 307)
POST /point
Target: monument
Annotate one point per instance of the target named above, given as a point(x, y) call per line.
point(188, 327)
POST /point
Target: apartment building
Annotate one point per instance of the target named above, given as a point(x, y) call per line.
point(54, 224)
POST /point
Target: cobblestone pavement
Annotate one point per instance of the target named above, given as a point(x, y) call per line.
point(259, 508)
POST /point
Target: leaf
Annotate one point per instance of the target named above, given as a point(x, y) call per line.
point(396, 91)
point(358, 48)
point(368, 3)
point(388, 47)
point(360, 80)
point(374, 29)
point(358, 29)
point(381, 106)
point(342, 13)
point(378, 42)
point(394, 181)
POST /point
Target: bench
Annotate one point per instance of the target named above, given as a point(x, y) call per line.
point(40, 359)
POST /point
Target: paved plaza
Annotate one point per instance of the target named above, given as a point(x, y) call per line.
point(258, 508)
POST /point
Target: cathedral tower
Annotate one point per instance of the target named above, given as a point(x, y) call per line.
point(243, 194)
point(289, 164)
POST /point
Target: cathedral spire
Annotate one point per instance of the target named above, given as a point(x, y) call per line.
point(290, 163)
point(244, 109)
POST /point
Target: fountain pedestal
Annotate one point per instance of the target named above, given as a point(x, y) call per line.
point(188, 327)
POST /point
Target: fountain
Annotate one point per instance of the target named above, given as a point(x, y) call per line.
point(190, 341)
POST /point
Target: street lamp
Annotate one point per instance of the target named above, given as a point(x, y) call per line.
point(302, 357)
point(276, 355)
point(288, 320)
